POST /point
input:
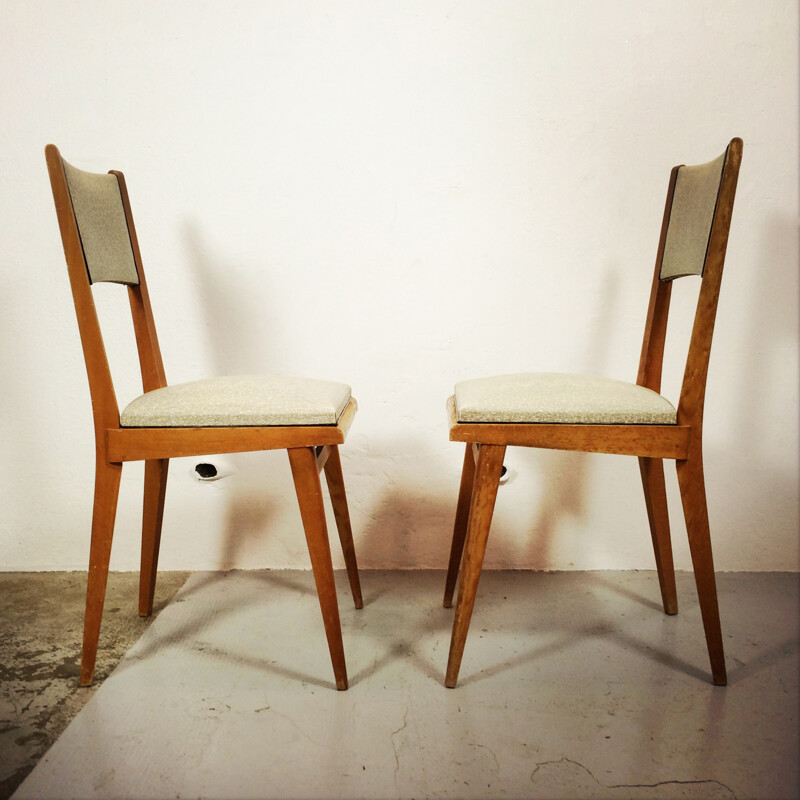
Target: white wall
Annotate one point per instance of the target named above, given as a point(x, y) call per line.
point(400, 195)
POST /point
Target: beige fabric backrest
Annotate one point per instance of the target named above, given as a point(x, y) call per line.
point(691, 216)
point(103, 228)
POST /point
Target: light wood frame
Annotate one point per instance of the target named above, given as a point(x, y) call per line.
point(311, 449)
point(486, 444)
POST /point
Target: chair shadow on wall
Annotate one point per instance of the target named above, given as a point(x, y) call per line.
point(771, 334)
point(567, 474)
point(230, 314)
point(772, 322)
point(770, 331)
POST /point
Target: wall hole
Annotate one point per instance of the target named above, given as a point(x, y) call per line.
point(206, 472)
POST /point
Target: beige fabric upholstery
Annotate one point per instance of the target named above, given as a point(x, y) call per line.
point(102, 226)
point(692, 213)
point(242, 400)
point(558, 397)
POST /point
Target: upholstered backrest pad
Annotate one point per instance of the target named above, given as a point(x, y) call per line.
point(103, 228)
point(690, 219)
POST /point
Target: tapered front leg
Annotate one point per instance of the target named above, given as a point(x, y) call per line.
point(106, 493)
point(655, 498)
point(460, 525)
point(155, 489)
point(309, 495)
point(695, 509)
point(484, 493)
point(335, 480)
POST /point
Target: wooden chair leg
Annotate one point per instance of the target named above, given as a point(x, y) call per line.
point(460, 525)
point(655, 498)
point(309, 495)
point(335, 480)
point(693, 495)
point(155, 489)
point(484, 494)
point(106, 492)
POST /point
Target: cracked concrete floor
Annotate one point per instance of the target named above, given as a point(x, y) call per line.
point(41, 619)
point(573, 685)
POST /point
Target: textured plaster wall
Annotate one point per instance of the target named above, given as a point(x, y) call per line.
point(400, 195)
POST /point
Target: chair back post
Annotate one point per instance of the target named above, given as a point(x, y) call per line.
point(692, 397)
point(101, 388)
point(655, 331)
point(150, 360)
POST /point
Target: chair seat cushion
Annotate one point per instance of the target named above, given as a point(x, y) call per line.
point(560, 398)
point(238, 401)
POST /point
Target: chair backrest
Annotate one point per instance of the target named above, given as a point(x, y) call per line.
point(102, 227)
point(694, 239)
point(100, 244)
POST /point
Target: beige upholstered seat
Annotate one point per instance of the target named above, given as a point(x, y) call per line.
point(239, 400)
point(560, 397)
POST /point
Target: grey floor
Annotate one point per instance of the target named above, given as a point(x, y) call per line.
point(41, 625)
point(572, 685)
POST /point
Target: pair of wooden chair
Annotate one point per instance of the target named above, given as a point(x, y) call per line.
point(310, 419)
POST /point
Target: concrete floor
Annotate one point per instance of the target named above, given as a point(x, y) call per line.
point(41, 620)
point(572, 685)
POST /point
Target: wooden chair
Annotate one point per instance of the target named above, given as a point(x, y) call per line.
point(571, 412)
point(220, 415)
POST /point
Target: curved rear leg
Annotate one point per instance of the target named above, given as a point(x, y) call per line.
point(655, 498)
point(335, 481)
point(695, 509)
point(460, 525)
